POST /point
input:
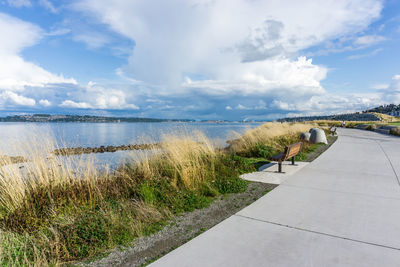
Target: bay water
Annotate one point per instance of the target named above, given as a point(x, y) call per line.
point(73, 134)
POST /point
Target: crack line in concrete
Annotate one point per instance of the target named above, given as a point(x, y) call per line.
point(340, 192)
point(387, 156)
point(320, 233)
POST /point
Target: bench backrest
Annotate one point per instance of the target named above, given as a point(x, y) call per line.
point(293, 150)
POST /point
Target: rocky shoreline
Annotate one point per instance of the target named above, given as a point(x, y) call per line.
point(5, 160)
point(102, 149)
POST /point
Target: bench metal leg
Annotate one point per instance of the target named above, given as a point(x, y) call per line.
point(293, 161)
point(280, 167)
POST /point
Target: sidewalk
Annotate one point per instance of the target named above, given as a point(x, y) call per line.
point(343, 209)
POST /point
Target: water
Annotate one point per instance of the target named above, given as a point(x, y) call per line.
point(104, 134)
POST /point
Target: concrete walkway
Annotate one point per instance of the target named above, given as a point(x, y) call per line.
point(343, 209)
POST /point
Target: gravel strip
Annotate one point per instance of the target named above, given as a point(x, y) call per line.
point(182, 228)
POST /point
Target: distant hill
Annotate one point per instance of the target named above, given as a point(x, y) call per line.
point(391, 109)
point(341, 117)
point(77, 118)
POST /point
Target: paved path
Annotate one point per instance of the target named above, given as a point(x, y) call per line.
point(343, 209)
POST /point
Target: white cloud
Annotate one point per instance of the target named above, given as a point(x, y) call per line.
point(58, 32)
point(19, 3)
point(15, 72)
point(45, 102)
point(73, 104)
point(239, 46)
point(380, 86)
point(228, 108)
point(95, 96)
point(108, 98)
point(330, 104)
point(392, 93)
point(276, 77)
point(282, 105)
point(370, 54)
point(8, 97)
point(20, 34)
point(48, 5)
point(368, 40)
point(242, 107)
point(261, 105)
point(92, 40)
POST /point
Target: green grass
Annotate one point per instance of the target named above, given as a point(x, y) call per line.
point(64, 231)
point(81, 219)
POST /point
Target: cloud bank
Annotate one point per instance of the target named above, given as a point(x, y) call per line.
point(233, 48)
point(199, 58)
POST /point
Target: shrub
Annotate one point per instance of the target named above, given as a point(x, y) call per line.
point(271, 134)
point(395, 131)
point(233, 185)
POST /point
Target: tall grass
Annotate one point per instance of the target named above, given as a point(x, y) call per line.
point(187, 159)
point(272, 136)
point(56, 209)
point(395, 131)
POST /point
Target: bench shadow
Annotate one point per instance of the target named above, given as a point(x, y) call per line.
point(265, 167)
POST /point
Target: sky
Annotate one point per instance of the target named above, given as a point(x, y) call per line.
point(198, 59)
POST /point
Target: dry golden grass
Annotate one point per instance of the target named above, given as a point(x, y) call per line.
point(54, 208)
point(42, 169)
point(186, 155)
point(395, 131)
point(384, 120)
point(387, 118)
point(267, 134)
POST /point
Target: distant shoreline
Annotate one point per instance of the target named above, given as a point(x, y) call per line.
point(46, 118)
point(79, 118)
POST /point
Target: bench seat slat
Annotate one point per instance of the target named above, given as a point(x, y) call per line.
point(278, 157)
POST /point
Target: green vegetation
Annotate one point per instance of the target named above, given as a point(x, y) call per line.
point(395, 131)
point(51, 214)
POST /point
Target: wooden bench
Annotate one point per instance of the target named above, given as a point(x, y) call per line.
point(290, 152)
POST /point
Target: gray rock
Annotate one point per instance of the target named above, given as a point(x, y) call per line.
point(305, 136)
point(318, 136)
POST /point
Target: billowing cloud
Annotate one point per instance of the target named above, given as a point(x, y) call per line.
point(45, 102)
point(95, 96)
point(15, 72)
point(196, 58)
point(8, 98)
point(234, 44)
point(73, 104)
point(276, 77)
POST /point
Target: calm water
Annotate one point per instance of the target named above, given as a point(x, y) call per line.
point(103, 134)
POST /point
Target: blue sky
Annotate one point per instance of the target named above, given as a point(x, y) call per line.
point(199, 59)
